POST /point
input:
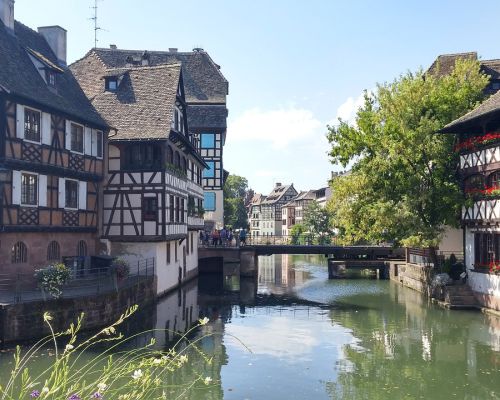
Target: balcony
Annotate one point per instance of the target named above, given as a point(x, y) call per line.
point(480, 158)
point(195, 221)
point(482, 210)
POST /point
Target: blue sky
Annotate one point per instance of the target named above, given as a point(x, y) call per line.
point(293, 66)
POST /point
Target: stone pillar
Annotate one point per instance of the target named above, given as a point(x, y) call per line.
point(248, 263)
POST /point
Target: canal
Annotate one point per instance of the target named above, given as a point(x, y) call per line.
point(293, 334)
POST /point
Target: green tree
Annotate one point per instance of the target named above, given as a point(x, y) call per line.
point(318, 223)
point(235, 213)
point(402, 185)
point(298, 234)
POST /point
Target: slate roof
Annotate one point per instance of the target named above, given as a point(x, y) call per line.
point(257, 199)
point(203, 81)
point(207, 116)
point(19, 76)
point(143, 105)
point(444, 63)
point(276, 194)
point(487, 108)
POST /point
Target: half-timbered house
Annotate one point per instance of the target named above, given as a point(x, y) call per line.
point(205, 92)
point(52, 143)
point(271, 216)
point(478, 145)
point(153, 194)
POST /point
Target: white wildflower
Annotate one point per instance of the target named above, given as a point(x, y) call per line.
point(157, 361)
point(137, 374)
point(207, 380)
point(69, 347)
point(203, 321)
point(102, 386)
point(183, 359)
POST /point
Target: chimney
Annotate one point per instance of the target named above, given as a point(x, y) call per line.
point(7, 14)
point(278, 184)
point(56, 38)
point(112, 46)
point(172, 49)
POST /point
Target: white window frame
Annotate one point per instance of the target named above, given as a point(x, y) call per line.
point(69, 136)
point(77, 194)
point(41, 124)
point(21, 189)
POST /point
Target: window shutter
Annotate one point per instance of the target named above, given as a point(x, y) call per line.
point(46, 129)
point(20, 121)
point(42, 190)
point(87, 141)
point(82, 195)
point(62, 193)
point(16, 187)
point(68, 135)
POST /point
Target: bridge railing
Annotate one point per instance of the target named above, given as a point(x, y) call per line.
point(302, 240)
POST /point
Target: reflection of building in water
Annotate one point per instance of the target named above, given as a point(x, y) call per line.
point(176, 313)
point(279, 271)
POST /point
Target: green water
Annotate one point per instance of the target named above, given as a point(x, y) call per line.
point(310, 338)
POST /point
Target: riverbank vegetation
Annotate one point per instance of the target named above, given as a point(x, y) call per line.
point(402, 186)
point(235, 191)
point(113, 372)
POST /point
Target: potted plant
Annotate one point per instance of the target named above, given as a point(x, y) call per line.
point(121, 268)
point(52, 278)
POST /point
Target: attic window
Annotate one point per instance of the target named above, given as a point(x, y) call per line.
point(112, 84)
point(51, 77)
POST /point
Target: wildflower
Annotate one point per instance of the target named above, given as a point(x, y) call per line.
point(97, 395)
point(69, 347)
point(47, 317)
point(45, 390)
point(137, 374)
point(183, 359)
point(34, 394)
point(203, 321)
point(157, 361)
point(102, 386)
point(74, 397)
point(207, 380)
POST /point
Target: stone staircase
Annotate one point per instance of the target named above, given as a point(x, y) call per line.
point(459, 296)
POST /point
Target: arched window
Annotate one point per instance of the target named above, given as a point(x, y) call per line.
point(19, 253)
point(475, 182)
point(53, 251)
point(495, 179)
point(177, 159)
point(82, 249)
point(169, 155)
point(183, 166)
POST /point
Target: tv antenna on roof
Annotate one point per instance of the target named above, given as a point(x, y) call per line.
point(94, 18)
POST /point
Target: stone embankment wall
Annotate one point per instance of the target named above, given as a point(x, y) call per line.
point(411, 275)
point(24, 321)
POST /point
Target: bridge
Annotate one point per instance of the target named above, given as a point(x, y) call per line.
point(212, 257)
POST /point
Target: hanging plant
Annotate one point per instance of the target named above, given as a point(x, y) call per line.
point(52, 278)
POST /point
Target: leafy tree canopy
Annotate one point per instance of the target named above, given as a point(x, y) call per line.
point(235, 214)
point(402, 185)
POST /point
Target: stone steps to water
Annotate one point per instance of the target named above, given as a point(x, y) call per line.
point(460, 297)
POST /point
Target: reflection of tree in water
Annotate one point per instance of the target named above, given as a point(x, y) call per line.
point(406, 351)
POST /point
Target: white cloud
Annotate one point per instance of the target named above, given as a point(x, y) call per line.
point(348, 109)
point(279, 127)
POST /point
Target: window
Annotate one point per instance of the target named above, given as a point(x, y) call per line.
point(142, 157)
point(29, 189)
point(495, 179)
point(77, 138)
point(170, 155)
point(209, 203)
point(187, 242)
point(99, 144)
point(111, 84)
point(177, 209)
point(182, 209)
point(168, 252)
point(71, 194)
point(53, 251)
point(150, 209)
point(32, 125)
point(81, 251)
point(50, 76)
point(172, 208)
point(175, 247)
point(207, 140)
point(19, 253)
point(210, 172)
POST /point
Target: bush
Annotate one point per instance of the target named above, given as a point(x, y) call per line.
point(120, 267)
point(52, 278)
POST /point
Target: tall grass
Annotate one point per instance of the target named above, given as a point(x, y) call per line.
point(110, 373)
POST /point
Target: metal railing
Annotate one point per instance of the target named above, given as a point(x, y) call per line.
point(269, 240)
point(22, 288)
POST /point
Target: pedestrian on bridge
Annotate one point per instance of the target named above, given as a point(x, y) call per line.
point(243, 237)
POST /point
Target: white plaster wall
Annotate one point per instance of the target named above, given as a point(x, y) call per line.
point(192, 258)
point(452, 240)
